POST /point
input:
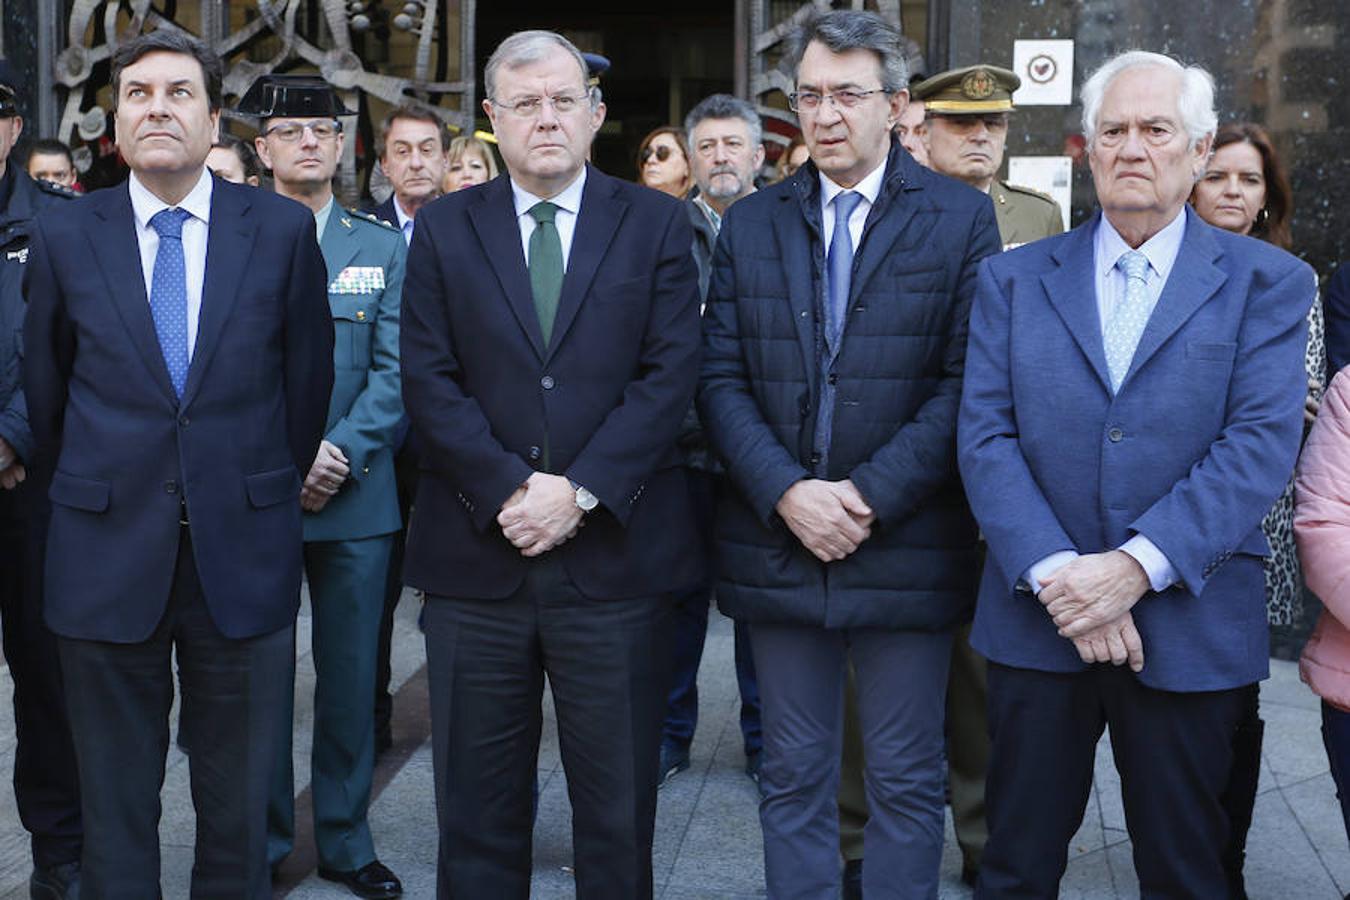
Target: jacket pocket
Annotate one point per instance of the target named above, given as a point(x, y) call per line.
point(270, 488)
point(1222, 351)
point(353, 328)
point(87, 494)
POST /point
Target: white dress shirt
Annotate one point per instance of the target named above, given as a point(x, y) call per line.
point(568, 201)
point(405, 221)
point(144, 206)
point(1161, 250)
point(868, 189)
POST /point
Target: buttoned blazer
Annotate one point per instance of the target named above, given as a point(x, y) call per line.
point(367, 403)
point(601, 402)
point(1191, 452)
point(127, 453)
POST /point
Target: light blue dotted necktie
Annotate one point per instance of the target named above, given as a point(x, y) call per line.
point(168, 294)
point(1126, 324)
point(839, 266)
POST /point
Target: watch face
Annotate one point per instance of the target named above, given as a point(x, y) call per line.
point(586, 500)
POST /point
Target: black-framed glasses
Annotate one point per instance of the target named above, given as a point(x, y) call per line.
point(809, 101)
point(290, 132)
point(660, 151)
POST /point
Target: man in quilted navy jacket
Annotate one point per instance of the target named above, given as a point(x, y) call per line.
point(834, 342)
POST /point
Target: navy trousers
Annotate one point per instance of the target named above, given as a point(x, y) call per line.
point(1174, 752)
point(1336, 739)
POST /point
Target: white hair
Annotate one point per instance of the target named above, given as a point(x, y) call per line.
point(1195, 103)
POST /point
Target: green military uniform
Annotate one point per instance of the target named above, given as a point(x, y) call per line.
point(348, 543)
point(1024, 215)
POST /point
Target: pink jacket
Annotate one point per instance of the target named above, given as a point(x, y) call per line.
point(1322, 529)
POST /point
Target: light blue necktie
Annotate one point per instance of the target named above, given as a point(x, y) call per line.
point(1126, 325)
point(168, 294)
point(839, 266)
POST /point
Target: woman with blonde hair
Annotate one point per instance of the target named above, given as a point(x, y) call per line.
point(471, 161)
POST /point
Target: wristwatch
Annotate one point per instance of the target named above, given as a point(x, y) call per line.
point(586, 501)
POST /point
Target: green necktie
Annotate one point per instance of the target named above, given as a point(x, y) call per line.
point(546, 266)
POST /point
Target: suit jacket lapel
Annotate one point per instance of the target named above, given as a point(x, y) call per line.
point(118, 252)
point(884, 224)
point(229, 243)
point(600, 215)
point(338, 243)
point(1072, 291)
point(1194, 279)
point(493, 217)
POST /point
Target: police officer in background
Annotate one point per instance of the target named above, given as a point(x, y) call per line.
point(46, 785)
point(349, 496)
point(968, 112)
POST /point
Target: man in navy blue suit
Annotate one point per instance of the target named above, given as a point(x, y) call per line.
point(178, 367)
point(1132, 408)
point(550, 343)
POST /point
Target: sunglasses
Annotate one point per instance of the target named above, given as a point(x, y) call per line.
point(661, 151)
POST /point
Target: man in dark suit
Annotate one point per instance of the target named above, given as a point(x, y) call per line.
point(46, 786)
point(834, 340)
point(1132, 408)
point(550, 350)
point(178, 367)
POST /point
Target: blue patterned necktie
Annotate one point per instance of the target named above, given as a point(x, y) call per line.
point(168, 294)
point(1126, 325)
point(839, 266)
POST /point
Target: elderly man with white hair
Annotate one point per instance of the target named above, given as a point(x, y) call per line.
point(1132, 407)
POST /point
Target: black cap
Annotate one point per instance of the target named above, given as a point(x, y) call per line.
point(8, 85)
point(301, 96)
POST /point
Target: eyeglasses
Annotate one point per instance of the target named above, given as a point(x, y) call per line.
point(660, 151)
point(529, 107)
point(809, 101)
point(290, 132)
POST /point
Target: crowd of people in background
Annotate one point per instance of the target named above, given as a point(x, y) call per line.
point(974, 488)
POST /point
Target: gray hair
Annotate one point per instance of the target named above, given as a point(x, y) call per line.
point(724, 106)
point(842, 30)
point(525, 47)
point(1195, 103)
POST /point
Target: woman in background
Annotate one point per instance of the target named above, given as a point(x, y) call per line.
point(663, 162)
point(791, 159)
point(471, 162)
point(234, 160)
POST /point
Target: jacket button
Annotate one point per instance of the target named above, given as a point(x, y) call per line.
point(815, 459)
point(185, 421)
point(535, 453)
point(365, 470)
point(1116, 435)
point(170, 487)
point(546, 382)
point(834, 378)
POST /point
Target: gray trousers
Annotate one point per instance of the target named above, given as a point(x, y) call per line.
point(902, 682)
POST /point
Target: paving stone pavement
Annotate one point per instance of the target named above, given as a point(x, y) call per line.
point(707, 831)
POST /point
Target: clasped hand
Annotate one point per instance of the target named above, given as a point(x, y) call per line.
point(325, 477)
point(541, 514)
point(1090, 600)
point(830, 518)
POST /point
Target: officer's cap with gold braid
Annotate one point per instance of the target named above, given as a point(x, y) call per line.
point(973, 90)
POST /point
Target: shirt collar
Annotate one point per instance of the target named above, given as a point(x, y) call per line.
point(568, 199)
point(322, 216)
point(1161, 249)
point(869, 187)
point(712, 215)
point(403, 218)
point(144, 205)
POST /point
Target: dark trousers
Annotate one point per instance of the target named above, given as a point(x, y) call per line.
point(607, 663)
point(690, 621)
point(1174, 752)
point(901, 681)
point(119, 697)
point(46, 782)
point(1336, 740)
point(405, 477)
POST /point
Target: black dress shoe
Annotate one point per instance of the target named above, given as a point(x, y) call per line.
point(674, 760)
point(853, 879)
point(55, 882)
point(373, 881)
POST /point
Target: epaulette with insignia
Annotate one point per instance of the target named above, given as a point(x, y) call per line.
point(371, 217)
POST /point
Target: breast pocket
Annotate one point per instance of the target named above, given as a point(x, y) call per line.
point(353, 326)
